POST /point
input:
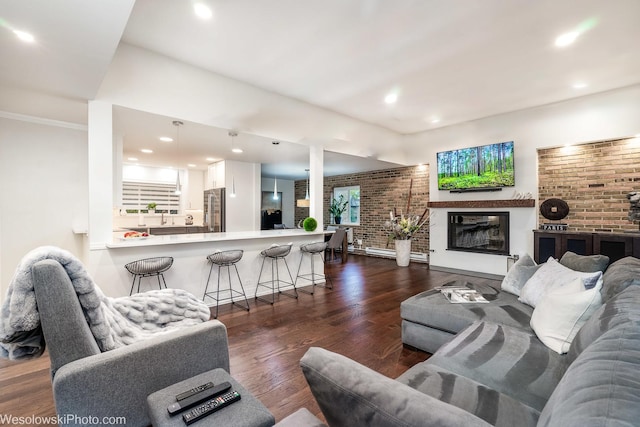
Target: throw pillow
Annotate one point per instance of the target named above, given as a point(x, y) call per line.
point(619, 276)
point(518, 275)
point(585, 263)
point(552, 275)
point(562, 312)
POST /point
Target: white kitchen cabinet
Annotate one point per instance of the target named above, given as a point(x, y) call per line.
point(215, 176)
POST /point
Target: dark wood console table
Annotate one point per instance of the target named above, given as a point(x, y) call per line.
point(556, 243)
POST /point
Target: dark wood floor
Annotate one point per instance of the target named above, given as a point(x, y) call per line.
point(359, 318)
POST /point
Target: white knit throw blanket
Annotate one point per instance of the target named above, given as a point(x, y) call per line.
point(114, 322)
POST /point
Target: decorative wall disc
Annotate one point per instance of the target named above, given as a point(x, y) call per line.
point(554, 209)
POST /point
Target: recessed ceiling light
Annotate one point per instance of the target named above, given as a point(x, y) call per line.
point(391, 98)
point(146, 150)
point(579, 85)
point(237, 150)
point(566, 39)
point(202, 11)
point(435, 120)
point(210, 159)
point(132, 159)
point(166, 139)
point(191, 165)
point(24, 36)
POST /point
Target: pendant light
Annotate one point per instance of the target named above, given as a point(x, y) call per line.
point(177, 124)
point(306, 202)
point(275, 188)
point(233, 134)
point(234, 148)
point(233, 187)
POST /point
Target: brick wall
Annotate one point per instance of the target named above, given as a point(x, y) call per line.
point(594, 180)
point(380, 192)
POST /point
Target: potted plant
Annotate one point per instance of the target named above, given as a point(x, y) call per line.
point(151, 207)
point(402, 228)
point(337, 207)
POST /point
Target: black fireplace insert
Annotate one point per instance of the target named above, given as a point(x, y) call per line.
point(483, 232)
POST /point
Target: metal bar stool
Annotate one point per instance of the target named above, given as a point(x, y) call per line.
point(149, 267)
point(311, 249)
point(275, 253)
point(226, 259)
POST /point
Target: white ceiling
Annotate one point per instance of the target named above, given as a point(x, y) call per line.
point(75, 41)
point(196, 142)
point(454, 60)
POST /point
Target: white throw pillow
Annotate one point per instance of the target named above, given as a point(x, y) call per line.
point(518, 275)
point(552, 275)
point(561, 313)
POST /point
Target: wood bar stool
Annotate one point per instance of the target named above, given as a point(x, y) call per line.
point(311, 249)
point(149, 267)
point(226, 259)
point(275, 253)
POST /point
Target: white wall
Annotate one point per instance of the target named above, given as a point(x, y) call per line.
point(242, 211)
point(288, 198)
point(607, 115)
point(137, 79)
point(43, 171)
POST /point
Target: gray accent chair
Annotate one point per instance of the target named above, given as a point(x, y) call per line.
point(89, 383)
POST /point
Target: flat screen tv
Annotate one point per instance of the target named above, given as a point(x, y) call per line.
point(476, 168)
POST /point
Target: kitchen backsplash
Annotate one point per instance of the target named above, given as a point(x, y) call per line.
point(134, 220)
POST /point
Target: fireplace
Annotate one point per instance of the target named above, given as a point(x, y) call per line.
point(484, 232)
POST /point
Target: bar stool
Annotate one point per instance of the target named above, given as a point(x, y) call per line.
point(275, 253)
point(311, 249)
point(149, 267)
point(225, 259)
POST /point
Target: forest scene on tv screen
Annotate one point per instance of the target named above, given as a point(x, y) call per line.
point(476, 167)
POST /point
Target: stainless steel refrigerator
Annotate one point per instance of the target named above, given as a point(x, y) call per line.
point(214, 209)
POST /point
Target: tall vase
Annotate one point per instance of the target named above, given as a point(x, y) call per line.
point(403, 252)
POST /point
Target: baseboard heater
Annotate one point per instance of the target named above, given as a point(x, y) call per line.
point(390, 253)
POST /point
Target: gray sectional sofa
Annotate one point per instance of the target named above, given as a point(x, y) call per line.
point(494, 370)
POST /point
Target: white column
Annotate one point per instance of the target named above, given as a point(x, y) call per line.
point(100, 173)
point(316, 182)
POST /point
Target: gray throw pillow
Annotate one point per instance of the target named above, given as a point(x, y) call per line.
point(619, 276)
point(518, 275)
point(585, 263)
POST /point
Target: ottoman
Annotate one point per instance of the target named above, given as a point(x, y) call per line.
point(429, 320)
point(247, 412)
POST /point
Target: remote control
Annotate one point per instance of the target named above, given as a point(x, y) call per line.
point(210, 406)
point(193, 391)
point(192, 401)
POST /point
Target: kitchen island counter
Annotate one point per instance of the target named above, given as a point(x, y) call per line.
point(190, 268)
point(176, 239)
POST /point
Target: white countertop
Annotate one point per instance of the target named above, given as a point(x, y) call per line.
point(176, 239)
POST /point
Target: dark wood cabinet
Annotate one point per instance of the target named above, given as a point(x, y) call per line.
point(162, 231)
point(556, 243)
point(615, 246)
